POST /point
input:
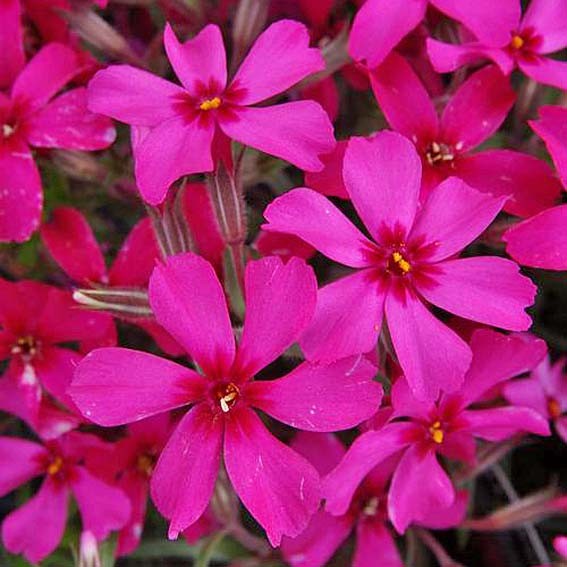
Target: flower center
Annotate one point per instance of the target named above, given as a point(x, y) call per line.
point(438, 153)
point(553, 408)
point(227, 396)
point(26, 346)
point(398, 264)
point(517, 42)
point(210, 104)
point(371, 507)
point(55, 466)
point(8, 130)
point(436, 432)
point(145, 464)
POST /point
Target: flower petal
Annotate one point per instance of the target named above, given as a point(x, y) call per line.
point(313, 218)
point(279, 59)
point(280, 302)
point(184, 478)
point(382, 175)
point(199, 63)
point(132, 96)
point(380, 25)
point(320, 397)
point(21, 197)
point(446, 230)
point(171, 150)
point(477, 109)
point(347, 320)
point(70, 240)
point(419, 487)
point(512, 174)
point(66, 123)
point(188, 301)
point(497, 424)
point(374, 540)
point(367, 451)
point(329, 181)
point(20, 461)
point(12, 57)
point(432, 356)
point(466, 287)
point(403, 99)
point(51, 68)
point(297, 132)
point(528, 393)
point(549, 20)
point(278, 487)
point(48, 509)
point(323, 450)
point(546, 71)
point(540, 242)
point(113, 386)
point(103, 508)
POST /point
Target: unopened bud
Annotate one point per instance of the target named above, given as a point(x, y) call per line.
point(122, 302)
point(88, 553)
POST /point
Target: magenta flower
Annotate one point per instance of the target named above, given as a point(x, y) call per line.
point(367, 514)
point(184, 121)
point(380, 25)
point(279, 488)
point(36, 320)
point(408, 264)
point(448, 427)
point(515, 42)
point(28, 118)
point(545, 391)
point(36, 528)
point(470, 117)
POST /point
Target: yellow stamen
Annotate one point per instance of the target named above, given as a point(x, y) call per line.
point(437, 434)
point(401, 262)
point(210, 104)
point(553, 408)
point(517, 42)
point(145, 464)
point(55, 466)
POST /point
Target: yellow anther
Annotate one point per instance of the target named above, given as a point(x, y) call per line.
point(371, 507)
point(437, 434)
point(517, 42)
point(401, 262)
point(228, 397)
point(55, 466)
point(145, 464)
point(553, 408)
point(210, 104)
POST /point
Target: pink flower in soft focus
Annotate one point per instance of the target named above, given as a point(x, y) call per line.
point(409, 264)
point(28, 118)
point(515, 42)
point(279, 488)
point(470, 117)
point(367, 513)
point(560, 545)
point(188, 124)
point(420, 486)
point(35, 321)
point(545, 391)
point(381, 24)
point(36, 528)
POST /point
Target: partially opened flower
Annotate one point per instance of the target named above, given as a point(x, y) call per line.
point(517, 41)
point(29, 118)
point(545, 391)
point(188, 124)
point(367, 513)
point(420, 486)
point(472, 114)
point(36, 528)
point(409, 264)
point(36, 322)
point(277, 486)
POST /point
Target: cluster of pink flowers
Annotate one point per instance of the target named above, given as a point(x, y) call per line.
point(283, 363)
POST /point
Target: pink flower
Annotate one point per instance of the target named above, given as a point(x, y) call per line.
point(36, 528)
point(560, 545)
point(381, 24)
point(367, 514)
point(545, 391)
point(187, 125)
point(420, 485)
point(516, 41)
point(471, 116)
point(409, 264)
point(29, 118)
point(35, 321)
point(279, 488)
